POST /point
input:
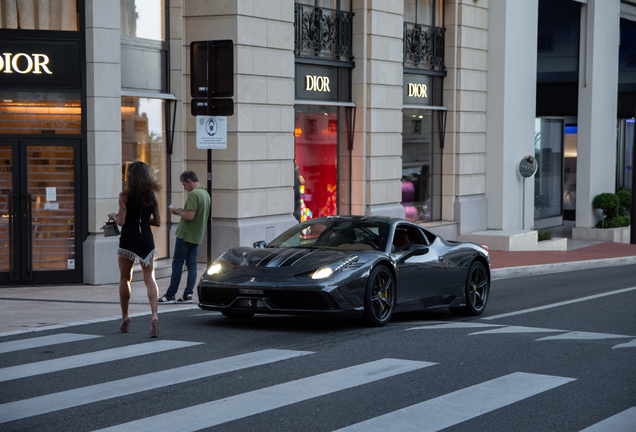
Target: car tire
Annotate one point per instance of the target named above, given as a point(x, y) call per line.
point(477, 291)
point(238, 315)
point(379, 297)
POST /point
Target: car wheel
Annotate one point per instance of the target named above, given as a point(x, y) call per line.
point(477, 290)
point(379, 297)
point(238, 315)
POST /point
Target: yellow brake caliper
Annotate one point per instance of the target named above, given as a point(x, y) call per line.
point(382, 294)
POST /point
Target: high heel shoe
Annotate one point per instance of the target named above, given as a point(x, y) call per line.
point(124, 325)
point(154, 328)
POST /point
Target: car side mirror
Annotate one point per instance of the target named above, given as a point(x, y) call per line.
point(259, 244)
point(415, 250)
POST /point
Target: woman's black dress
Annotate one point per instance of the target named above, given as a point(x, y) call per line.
point(136, 241)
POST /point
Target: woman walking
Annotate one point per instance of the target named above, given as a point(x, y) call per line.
point(138, 210)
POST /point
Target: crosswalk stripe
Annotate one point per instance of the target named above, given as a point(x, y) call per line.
point(621, 422)
point(72, 398)
point(444, 411)
point(564, 303)
point(579, 335)
point(64, 363)
point(455, 325)
point(631, 344)
point(517, 329)
point(37, 342)
point(243, 405)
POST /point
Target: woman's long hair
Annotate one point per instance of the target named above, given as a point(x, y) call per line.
point(141, 183)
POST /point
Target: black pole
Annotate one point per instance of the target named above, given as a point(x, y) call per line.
point(209, 109)
point(210, 216)
point(632, 213)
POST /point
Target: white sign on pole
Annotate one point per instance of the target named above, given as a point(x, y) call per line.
point(211, 132)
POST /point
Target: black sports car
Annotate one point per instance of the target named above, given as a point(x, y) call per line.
point(352, 266)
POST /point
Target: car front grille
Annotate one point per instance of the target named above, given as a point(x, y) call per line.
point(275, 299)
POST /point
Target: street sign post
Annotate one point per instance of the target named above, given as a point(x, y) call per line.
point(211, 89)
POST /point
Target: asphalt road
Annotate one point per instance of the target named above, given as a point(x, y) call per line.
point(551, 353)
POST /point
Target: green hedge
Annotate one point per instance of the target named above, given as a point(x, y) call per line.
point(613, 206)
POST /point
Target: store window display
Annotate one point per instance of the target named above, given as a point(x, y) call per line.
point(421, 158)
point(322, 164)
point(143, 138)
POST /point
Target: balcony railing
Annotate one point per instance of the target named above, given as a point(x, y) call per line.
point(424, 46)
point(322, 33)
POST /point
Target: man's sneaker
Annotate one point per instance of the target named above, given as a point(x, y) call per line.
point(185, 299)
point(166, 300)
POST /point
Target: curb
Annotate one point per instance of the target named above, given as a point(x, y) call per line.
point(509, 272)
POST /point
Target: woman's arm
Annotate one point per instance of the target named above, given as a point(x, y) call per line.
point(120, 217)
point(155, 220)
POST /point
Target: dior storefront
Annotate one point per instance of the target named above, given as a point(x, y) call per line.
point(324, 113)
point(323, 141)
point(42, 143)
point(423, 124)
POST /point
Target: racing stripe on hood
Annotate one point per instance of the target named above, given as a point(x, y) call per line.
point(284, 257)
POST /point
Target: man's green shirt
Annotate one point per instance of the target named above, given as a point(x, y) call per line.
point(192, 231)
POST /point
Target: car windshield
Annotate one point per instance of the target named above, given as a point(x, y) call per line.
point(336, 233)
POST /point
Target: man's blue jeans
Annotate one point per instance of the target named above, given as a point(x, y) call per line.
point(183, 251)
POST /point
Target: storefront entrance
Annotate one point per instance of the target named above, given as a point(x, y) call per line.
point(39, 225)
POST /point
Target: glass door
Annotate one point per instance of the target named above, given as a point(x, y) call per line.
point(40, 195)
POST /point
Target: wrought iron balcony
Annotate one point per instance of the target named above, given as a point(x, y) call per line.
point(322, 33)
point(424, 46)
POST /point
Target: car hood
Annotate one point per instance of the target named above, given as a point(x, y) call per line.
point(282, 260)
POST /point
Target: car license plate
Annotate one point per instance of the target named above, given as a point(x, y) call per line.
point(250, 291)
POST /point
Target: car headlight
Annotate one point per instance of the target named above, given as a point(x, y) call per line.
point(216, 268)
point(324, 272)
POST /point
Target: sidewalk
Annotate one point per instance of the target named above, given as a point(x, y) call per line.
point(27, 309)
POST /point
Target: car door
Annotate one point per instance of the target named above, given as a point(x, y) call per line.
point(421, 274)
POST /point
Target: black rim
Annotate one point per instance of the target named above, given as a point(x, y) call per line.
point(478, 287)
point(382, 293)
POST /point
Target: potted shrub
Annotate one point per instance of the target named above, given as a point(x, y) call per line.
point(610, 204)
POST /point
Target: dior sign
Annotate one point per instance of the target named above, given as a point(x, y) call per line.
point(418, 90)
point(23, 63)
point(317, 83)
point(45, 64)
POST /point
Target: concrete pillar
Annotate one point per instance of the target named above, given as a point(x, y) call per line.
point(511, 104)
point(252, 180)
point(598, 87)
point(465, 92)
point(377, 84)
point(103, 118)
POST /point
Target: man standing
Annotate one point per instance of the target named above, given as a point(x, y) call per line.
point(194, 216)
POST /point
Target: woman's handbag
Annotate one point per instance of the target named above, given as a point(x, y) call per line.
point(110, 229)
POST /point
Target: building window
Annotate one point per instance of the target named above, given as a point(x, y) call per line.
point(424, 34)
point(322, 163)
point(39, 15)
point(426, 12)
point(143, 19)
point(40, 113)
point(548, 181)
point(323, 29)
point(331, 4)
point(143, 132)
point(421, 158)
